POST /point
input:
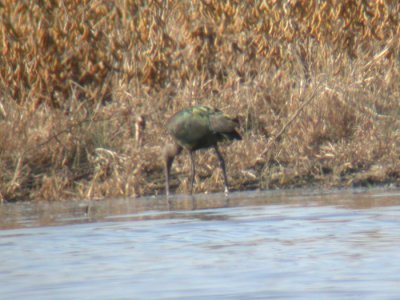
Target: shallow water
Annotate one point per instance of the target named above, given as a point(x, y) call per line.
point(269, 245)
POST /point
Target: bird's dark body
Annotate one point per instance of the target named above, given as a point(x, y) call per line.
point(197, 128)
point(201, 127)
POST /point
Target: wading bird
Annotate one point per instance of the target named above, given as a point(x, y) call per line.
point(196, 128)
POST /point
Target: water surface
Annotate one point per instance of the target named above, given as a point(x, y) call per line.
point(268, 245)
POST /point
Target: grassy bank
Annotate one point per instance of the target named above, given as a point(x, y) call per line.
point(316, 87)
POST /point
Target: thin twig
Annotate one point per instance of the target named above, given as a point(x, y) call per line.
point(275, 138)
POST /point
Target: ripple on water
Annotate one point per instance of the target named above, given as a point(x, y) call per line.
point(262, 245)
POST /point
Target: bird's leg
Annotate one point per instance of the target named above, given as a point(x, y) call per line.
point(169, 153)
point(167, 172)
point(222, 162)
point(191, 154)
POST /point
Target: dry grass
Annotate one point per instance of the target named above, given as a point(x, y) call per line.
point(314, 83)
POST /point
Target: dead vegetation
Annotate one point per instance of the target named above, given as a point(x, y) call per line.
point(315, 85)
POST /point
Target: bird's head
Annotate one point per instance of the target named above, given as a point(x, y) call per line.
point(169, 152)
